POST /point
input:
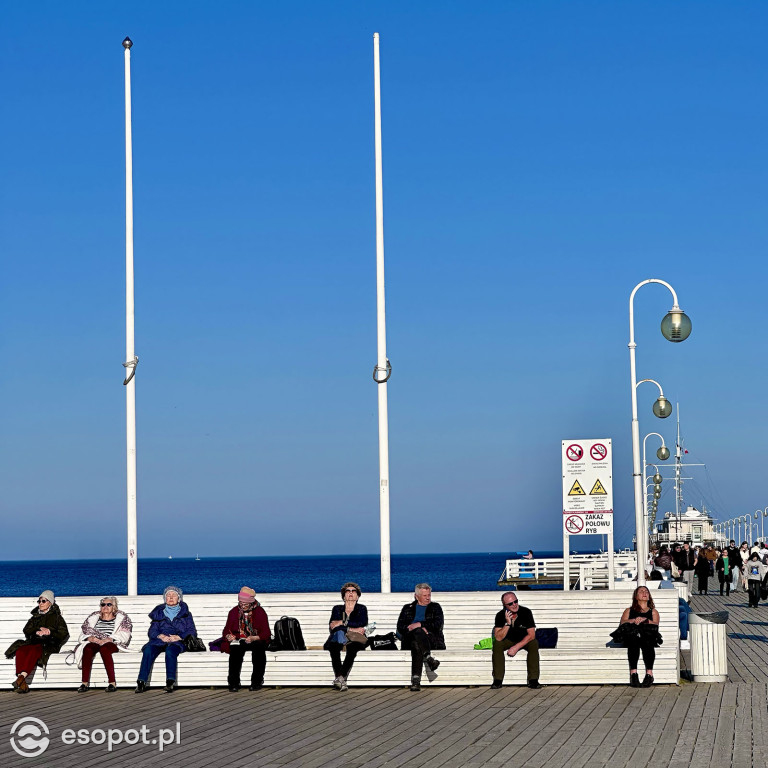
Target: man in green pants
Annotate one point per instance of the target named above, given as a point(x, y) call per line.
point(514, 629)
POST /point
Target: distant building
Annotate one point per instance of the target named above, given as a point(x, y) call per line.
point(692, 525)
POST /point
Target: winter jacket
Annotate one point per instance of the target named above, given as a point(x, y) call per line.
point(183, 625)
point(684, 560)
point(51, 619)
point(754, 570)
point(232, 627)
point(664, 562)
point(433, 623)
point(121, 636)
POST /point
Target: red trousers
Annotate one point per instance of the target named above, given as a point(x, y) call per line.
point(27, 656)
point(106, 651)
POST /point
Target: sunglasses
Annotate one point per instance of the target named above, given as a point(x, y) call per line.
point(42, 600)
point(513, 602)
point(105, 605)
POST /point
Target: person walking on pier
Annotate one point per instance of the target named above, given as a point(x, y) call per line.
point(420, 627)
point(44, 634)
point(246, 631)
point(701, 568)
point(724, 568)
point(685, 559)
point(734, 565)
point(171, 622)
point(643, 613)
point(755, 573)
point(105, 632)
point(514, 630)
point(347, 627)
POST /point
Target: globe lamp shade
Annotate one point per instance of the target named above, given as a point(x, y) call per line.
point(676, 325)
point(662, 408)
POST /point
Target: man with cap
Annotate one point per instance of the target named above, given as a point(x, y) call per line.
point(246, 631)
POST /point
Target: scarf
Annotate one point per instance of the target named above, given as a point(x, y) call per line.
point(725, 566)
point(172, 611)
point(246, 623)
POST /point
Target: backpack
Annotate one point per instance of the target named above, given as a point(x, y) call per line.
point(287, 635)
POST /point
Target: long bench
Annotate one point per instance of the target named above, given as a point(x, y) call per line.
point(584, 621)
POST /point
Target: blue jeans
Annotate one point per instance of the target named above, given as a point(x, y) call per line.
point(151, 652)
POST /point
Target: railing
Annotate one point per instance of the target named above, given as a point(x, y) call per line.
point(591, 569)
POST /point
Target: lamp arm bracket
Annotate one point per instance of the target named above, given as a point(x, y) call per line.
point(387, 371)
point(132, 365)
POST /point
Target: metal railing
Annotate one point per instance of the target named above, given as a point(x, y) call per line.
point(551, 569)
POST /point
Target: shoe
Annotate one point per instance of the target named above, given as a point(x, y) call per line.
point(256, 687)
point(415, 683)
point(23, 686)
point(496, 685)
point(16, 684)
point(337, 682)
point(111, 688)
point(170, 685)
point(83, 688)
point(647, 681)
point(344, 686)
point(141, 686)
point(234, 688)
point(535, 685)
point(634, 680)
point(432, 663)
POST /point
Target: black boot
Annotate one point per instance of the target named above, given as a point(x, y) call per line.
point(535, 685)
point(170, 685)
point(496, 684)
point(634, 680)
point(141, 686)
point(415, 683)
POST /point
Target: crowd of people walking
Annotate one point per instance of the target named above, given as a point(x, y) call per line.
point(736, 568)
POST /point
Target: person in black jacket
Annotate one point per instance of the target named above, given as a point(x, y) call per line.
point(684, 560)
point(420, 627)
point(514, 630)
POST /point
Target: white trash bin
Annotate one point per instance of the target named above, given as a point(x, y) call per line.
point(709, 660)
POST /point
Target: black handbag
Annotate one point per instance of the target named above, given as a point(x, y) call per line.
point(194, 644)
point(383, 642)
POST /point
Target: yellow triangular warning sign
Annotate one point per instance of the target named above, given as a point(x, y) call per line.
point(577, 490)
point(598, 490)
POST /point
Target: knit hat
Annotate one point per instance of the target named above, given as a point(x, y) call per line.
point(171, 588)
point(246, 595)
point(47, 595)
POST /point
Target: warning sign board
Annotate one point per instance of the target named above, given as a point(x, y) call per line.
point(587, 464)
point(574, 524)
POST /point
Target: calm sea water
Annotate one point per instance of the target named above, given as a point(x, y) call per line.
point(448, 573)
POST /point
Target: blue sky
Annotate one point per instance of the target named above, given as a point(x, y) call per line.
point(540, 159)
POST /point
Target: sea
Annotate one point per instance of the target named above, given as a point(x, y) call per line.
point(456, 572)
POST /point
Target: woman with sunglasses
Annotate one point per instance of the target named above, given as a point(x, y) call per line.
point(45, 633)
point(105, 632)
point(347, 620)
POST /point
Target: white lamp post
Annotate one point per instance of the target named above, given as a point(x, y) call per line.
point(383, 369)
point(676, 326)
point(130, 356)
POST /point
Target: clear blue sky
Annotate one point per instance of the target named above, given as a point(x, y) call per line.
point(540, 159)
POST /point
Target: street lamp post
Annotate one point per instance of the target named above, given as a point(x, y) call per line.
point(676, 327)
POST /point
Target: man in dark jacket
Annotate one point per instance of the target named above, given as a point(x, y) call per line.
point(514, 629)
point(684, 560)
point(420, 627)
point(734, 562)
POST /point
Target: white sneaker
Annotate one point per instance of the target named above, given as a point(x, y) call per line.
point(337, 682)
point(343, 686)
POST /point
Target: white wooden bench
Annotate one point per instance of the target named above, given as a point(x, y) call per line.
point(584, 621)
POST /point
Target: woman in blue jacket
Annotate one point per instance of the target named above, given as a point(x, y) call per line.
point(171, 623)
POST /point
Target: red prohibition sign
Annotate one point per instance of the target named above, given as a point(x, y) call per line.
point(574, 524)
point(598, 452)
point(574, 452)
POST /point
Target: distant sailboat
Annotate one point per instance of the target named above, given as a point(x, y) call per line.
point(197, 557)
point(170, 557)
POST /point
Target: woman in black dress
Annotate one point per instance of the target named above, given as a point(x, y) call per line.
point(642, 613)
point(701, 568)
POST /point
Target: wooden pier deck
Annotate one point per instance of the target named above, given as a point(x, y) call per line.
point(677, 726)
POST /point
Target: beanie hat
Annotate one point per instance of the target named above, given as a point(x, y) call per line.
point(48, 595)
point(171, 588)
point(246, 595)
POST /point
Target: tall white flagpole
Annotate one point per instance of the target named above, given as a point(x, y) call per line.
point(382, 371)
point(130, 357)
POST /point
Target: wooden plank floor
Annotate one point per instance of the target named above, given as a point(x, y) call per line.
point(574, 726)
